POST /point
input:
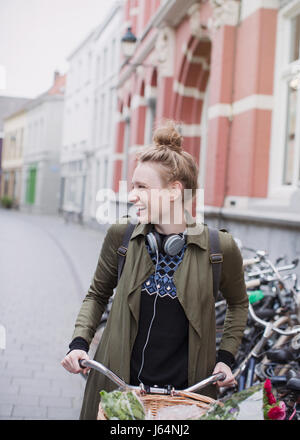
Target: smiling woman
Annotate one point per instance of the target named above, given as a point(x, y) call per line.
point(161, 327)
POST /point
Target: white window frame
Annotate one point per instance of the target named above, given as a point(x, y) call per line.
point(204, 135)
point(150, 119)
point(284, 71)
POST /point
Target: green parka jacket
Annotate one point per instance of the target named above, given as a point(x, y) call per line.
point(193, 281)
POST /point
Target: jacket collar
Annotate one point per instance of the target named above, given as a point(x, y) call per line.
point(195, 233)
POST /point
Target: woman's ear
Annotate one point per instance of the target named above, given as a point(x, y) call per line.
point(176, 191)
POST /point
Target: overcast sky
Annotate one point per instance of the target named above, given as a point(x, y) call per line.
point(36, 37)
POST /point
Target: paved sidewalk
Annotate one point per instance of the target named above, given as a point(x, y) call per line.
point(45, 270)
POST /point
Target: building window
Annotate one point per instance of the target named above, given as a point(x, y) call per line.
point(291, 81)
point(16, 184)
point(98, 66)
point(150, 119)
point(5, 147)
point(101, 119)
point(105, 177)
point(290, 145)
point(97, 178)
point(35, 142)
point(113, 55)
point(204, 138)
point(6, 183)
point(30, 137)
point(79, 74)
point(72, 189)
point(104, 66)
point(295, 38)
point(13, 144)
point(89, 73)
point(21, 141)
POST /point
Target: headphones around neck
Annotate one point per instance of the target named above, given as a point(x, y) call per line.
point(171, 244)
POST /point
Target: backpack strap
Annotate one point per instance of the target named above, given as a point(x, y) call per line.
point(216, 258)
point(122, 250)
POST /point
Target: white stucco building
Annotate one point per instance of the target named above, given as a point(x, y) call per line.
point(41, 153)
point(89, 117)
point(77, 117)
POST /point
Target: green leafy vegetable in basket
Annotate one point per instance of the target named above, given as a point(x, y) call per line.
point(118, 405)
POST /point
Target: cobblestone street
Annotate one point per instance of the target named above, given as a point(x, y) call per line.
point(45, 270)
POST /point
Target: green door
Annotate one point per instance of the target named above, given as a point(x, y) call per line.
point(30, 193)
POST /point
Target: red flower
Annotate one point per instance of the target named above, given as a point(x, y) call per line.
point(277, 412)
point(268, 386)
point(268, 392)
point(271, 399)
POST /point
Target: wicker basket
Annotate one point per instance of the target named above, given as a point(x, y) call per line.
point(155, 402)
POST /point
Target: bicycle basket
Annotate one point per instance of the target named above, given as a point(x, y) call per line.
point(153, 403)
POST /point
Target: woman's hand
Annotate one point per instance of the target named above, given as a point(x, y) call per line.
point(229, 380)
point(70, 361)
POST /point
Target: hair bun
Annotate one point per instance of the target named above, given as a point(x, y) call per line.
point(168, 136)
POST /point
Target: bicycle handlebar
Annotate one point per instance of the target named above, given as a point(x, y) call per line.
point(253, 283)
point(263, 281)
point(291, 332)
point(250, 261)
point(83, 363)
point(270, 270)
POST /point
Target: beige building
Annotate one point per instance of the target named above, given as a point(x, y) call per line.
point(42, 144)
point(12, 156)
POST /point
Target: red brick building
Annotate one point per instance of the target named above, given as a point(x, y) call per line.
point(214, 66)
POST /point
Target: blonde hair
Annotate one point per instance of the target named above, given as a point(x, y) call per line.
point(166, 151)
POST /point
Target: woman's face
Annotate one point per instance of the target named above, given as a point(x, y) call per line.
point(152, 199)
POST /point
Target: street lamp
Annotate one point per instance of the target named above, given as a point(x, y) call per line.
point(128, 43)
point(128, 46)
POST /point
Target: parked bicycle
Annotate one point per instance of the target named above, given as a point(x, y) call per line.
point(271, 344)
